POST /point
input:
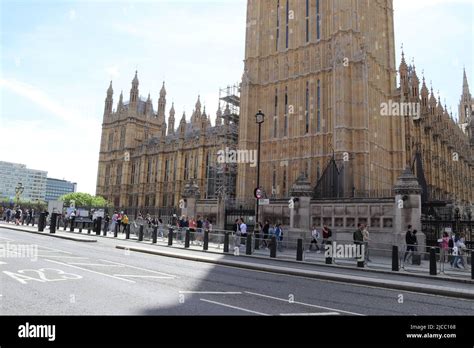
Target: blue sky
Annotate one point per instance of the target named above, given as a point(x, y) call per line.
point(57, 58)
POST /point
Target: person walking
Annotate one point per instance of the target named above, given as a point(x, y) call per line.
point(237, 234)
point(265, 231)
point(315, 235)
point(125, 222)
point(243, 231)
point(410, 242)
point(358, 236)
point(444, 247)
point(365, 233)
point(327, 235)
point(279, 237)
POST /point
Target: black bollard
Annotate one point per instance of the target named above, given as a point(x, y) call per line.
point(65, 224)
point(81, 226)
point(89, 228)
point(226, 242)
point(328, 254)
point(98, 226)
point(205, 247)
point(257, 241)
point(41, 222)
point(248, 244)
point(73, 220)
point(472, 264)
point(155, 234)
point(360, 261)
point(273, 248)
point(299, 250)
point(170, 237)
point(187, 238)
point(140, 234)
point(127, 232)
point(433, 270)
point(395, 265)
point(116, 229)
point(52, 226)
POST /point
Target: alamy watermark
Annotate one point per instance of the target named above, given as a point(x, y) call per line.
point(400, 109)
point(19, 251)
point(230, 156)
point(345, 251)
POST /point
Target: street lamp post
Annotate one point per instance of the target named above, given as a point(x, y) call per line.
point(259, 118)
point(18, 191)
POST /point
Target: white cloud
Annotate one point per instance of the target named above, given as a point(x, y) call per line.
point(72, 15)
point(41, 99)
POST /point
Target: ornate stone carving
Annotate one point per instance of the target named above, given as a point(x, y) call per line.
point(407, 184)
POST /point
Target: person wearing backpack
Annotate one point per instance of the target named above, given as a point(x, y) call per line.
point(125, 222)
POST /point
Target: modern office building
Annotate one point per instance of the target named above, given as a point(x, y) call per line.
point(55, 188)
point(14, 175)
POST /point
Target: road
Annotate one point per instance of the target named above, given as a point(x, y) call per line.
point(73, 278)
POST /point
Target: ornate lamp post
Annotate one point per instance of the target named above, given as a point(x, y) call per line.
point(18, 191)
point(259, 118)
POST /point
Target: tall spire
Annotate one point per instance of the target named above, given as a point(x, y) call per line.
point(162, 105)
point(109, 100)
point(171, 120)
point(134, 92)
point(120, 104)
point(465, 84)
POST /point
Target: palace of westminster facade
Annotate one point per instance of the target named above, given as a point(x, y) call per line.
point(320, 71)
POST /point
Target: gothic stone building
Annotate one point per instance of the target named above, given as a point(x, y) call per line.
point(145, 162)
point(320, 70)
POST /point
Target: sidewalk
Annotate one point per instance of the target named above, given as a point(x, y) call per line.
point(379, 264)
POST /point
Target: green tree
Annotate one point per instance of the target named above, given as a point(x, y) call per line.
point(84, 200)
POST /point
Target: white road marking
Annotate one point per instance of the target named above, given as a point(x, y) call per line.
point(11, 240)
point(301, 303)
point(234, 307)
point(53, 249)
point(88, 270)
point(308, 314)
point(142, 276)
point(3, 263)
point(92, 264)
point(142, 269)
point(211, 292)
point(64, 257)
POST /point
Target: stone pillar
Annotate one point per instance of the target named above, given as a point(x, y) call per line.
point(300, 216)
point(407, 208)
point(191, 194)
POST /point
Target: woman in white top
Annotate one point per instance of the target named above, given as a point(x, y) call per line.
point(315, 235)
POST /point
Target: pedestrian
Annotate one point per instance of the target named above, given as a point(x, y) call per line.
point(265, 230)
point(444, 247)
point(315, 235)
point(365, 233)
point(9, 215)
point(125, 222)
point(114, 221)
point(358, 236)
point(243, 231)
point(160, 228)
point(409, 240)
point(327, 235)
point(279, 237)
point(458, 251)
point(18, 214)
point(237, 234)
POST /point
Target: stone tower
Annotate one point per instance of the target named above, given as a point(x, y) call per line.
point(320, 70)
point(466, 105)
point(122, 131)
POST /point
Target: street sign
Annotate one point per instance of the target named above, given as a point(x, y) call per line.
point(264, 202)
point(258, 193)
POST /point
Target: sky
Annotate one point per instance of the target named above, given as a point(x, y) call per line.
point(57, 59)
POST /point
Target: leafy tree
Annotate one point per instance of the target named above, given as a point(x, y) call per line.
point(84, 200)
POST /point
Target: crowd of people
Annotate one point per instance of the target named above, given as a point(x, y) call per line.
point(17, 215)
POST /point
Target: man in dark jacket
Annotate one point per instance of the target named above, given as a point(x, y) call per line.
point(410, 240)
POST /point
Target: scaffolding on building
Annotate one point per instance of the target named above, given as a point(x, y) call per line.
point(226, 173)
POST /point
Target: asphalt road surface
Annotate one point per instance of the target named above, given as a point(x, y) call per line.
point(73, 278)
